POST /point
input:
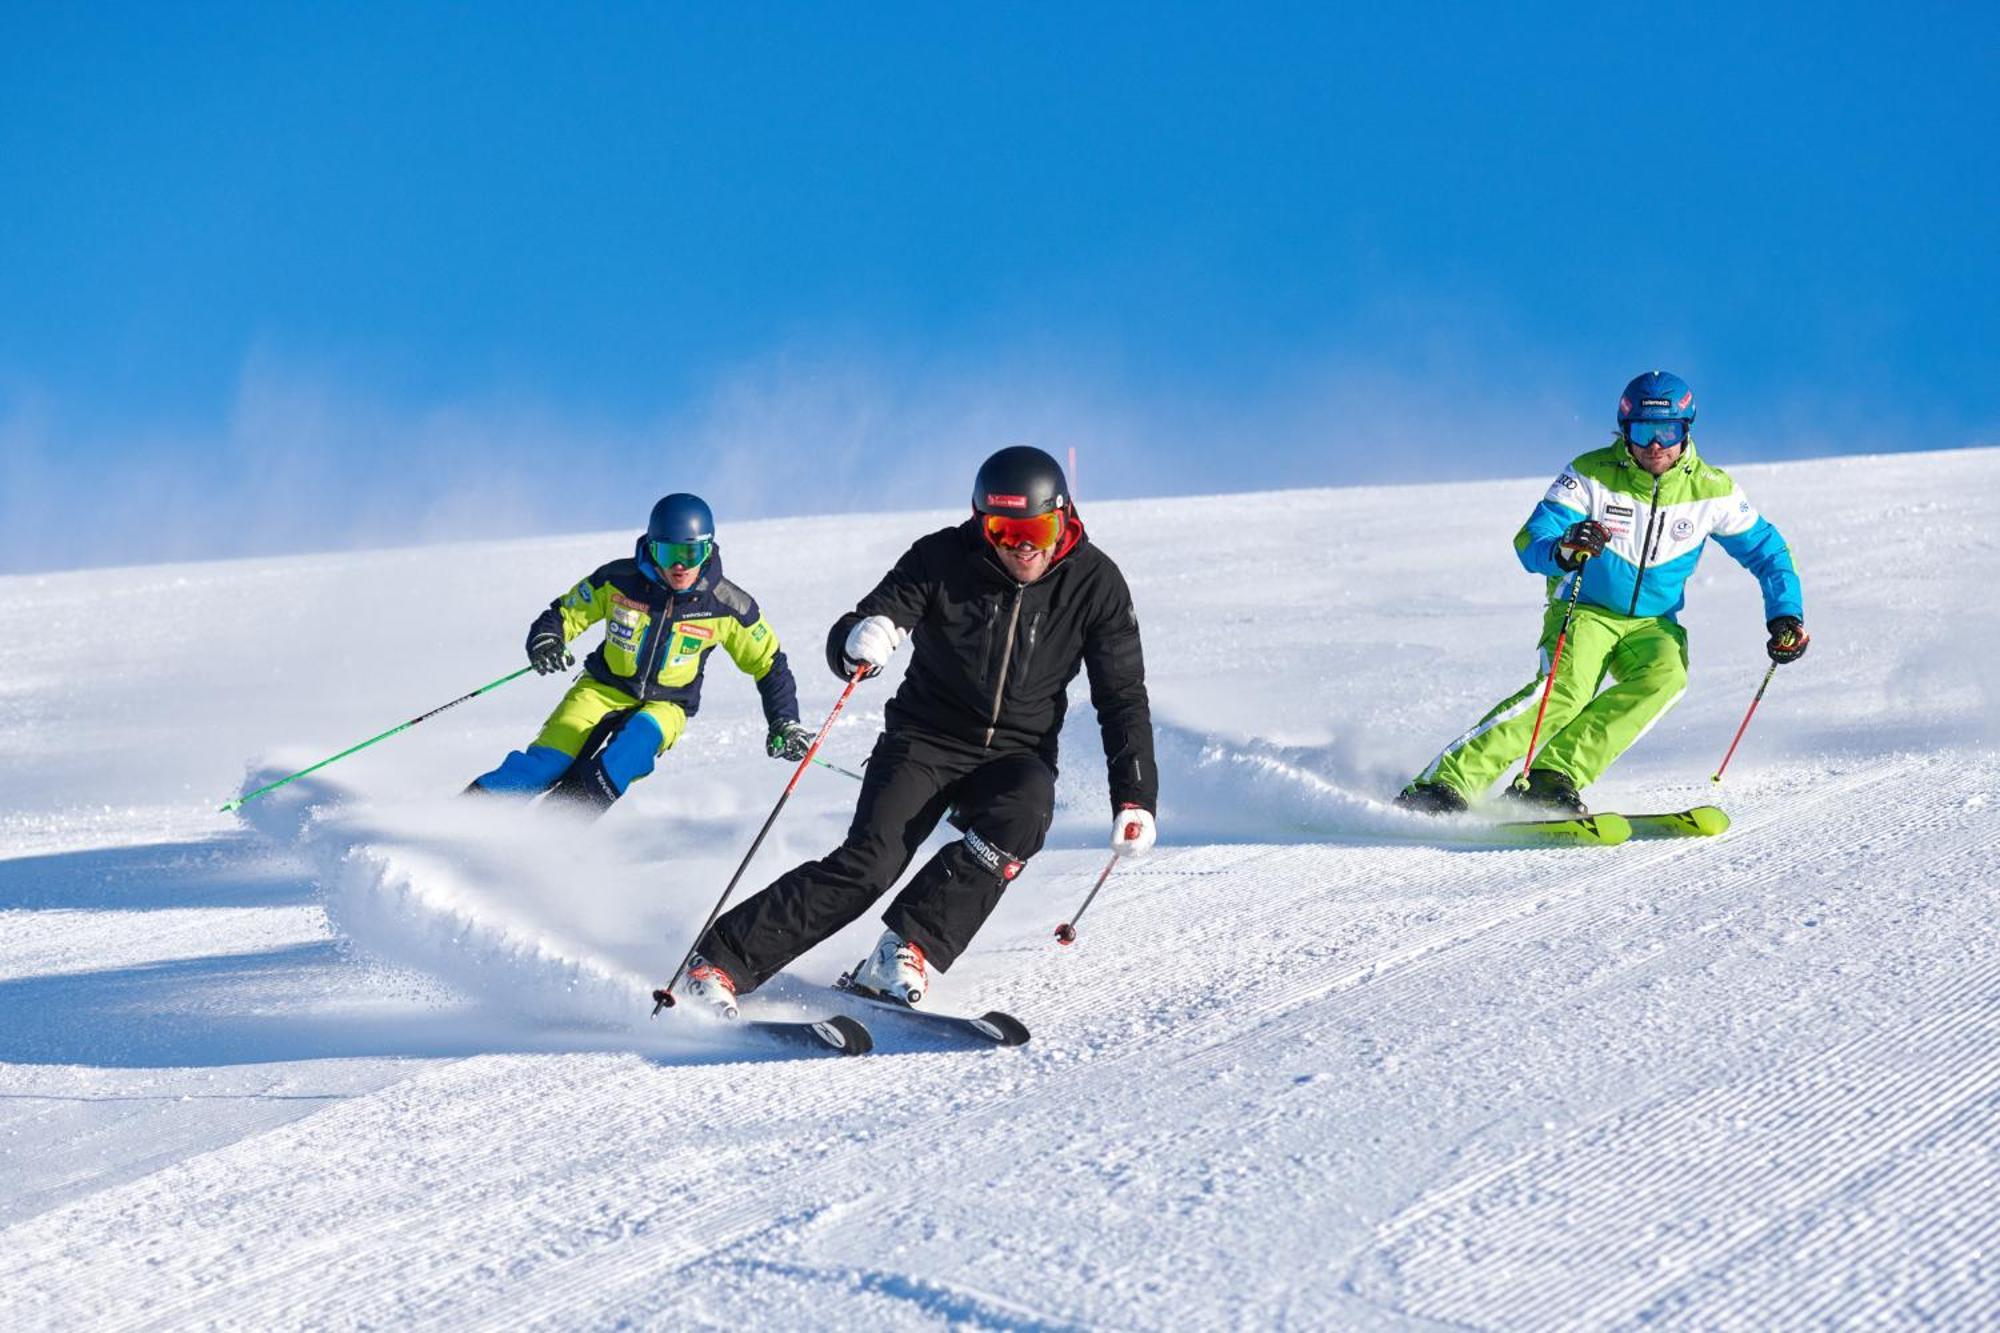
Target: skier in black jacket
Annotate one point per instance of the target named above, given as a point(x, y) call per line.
point(1002, 610)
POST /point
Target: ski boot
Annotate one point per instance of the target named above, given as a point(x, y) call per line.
point(1551, 791)
point(710, 987)
point(896, 968)
point(1431, 798)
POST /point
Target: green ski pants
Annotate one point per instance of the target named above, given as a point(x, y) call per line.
point(1583, 730)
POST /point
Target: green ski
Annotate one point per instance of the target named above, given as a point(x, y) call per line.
point(1703, 821)
point(1601, 830)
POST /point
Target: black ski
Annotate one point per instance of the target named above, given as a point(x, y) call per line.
point(844, 1035)
point(994, 1026)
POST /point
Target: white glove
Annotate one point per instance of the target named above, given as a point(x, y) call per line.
point(871, 643)
point(1133, 831)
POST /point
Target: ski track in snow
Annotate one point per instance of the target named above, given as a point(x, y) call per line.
point(380, 1063)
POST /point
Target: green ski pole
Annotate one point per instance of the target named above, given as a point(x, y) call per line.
point(421, 717)
point(844, 772)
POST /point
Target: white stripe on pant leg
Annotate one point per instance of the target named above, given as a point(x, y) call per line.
point(1479, 729)
point(1665, 708)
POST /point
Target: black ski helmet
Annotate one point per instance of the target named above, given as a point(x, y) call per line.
point(680, 517)
point(1019, 482)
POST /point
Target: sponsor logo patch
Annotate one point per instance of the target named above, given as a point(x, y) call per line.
point(1566, 481)
point(1008, 501)
point(992, 857)
point(1683, 527)
point(1620, 510)
point(697, 631)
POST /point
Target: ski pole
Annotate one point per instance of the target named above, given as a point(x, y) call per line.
point(1548, 686)
point(844, 772)
point(421, 717)
point(663, 998)
point(1066, 932)
point(1717, 777)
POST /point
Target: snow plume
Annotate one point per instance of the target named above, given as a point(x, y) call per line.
point(1231, 791)
point(449, 891)
point(1223, 789)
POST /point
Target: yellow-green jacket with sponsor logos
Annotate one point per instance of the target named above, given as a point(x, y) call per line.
point(657, 641)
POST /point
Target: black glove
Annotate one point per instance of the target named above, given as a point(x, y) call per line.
point(547, 653)
point(1585, 538)
point(1788, 639)
point(788, 741)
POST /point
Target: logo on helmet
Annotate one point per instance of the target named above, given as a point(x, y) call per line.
point(1008, 501)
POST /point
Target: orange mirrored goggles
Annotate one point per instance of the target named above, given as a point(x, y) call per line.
point(1041, 532)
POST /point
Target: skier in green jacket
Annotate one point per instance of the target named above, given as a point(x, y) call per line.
point(664, 609)
point(1629, 522)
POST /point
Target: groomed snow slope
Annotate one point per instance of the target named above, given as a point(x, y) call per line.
point(373, 1056)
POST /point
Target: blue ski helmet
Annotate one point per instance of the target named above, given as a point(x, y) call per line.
point(680, 532)
point(1655, 396)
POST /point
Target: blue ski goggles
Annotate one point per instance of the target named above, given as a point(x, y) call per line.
point(688, 555)
point(1656, 434)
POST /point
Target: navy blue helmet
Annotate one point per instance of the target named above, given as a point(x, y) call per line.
point(680, 532)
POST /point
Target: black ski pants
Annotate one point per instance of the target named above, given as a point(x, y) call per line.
point(1002, 803)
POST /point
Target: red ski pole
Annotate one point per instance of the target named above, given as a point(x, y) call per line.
point(1066, 932)
point(663, 998)
point(1555, 660)
point(1717, 776)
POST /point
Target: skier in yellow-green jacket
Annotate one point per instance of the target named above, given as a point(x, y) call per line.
point(664, 610)
point(1621, 529)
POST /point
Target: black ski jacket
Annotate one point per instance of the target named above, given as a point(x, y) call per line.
point(992, 659)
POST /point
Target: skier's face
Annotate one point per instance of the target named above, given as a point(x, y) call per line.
point(680, 578)
point(1025, 547)
point(1025, 563)
point(1655, 459)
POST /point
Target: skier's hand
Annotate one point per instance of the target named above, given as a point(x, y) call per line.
point(1788, 639)
point(1584, 539)
point(1133, 831)
point(788, 741)
point(548, 654)
point(870, 644)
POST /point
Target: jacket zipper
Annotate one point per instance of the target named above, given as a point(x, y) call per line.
point(1645, 549)
point(1006, 660)
point(655, 639)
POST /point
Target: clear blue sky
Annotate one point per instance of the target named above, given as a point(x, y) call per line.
point(283, 277)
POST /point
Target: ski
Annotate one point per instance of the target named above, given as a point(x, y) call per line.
point(1599, 830)
point(844, 1035)
point(1702, 821)
point(993, 1026)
